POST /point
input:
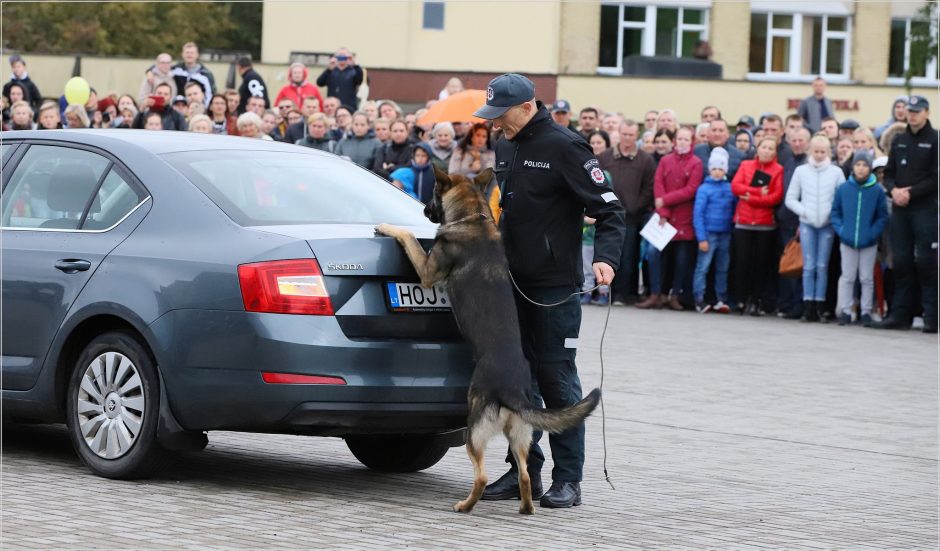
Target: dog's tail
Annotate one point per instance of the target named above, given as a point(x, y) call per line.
point(558, 420)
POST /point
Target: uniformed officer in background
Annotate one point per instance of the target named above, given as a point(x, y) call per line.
point(911, 181)
point(549, 181)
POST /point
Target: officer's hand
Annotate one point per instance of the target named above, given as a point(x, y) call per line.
point(603, 273)
point(703, 246)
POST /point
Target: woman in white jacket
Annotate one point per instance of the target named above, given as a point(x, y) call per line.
point(809, 196)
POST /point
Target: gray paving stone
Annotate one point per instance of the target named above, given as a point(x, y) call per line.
point(722, 433)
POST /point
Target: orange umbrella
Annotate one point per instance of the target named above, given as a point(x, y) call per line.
point(456, 108)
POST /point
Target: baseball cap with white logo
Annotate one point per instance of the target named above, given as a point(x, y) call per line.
point(503, 92)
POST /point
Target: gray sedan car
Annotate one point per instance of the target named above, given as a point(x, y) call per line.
point(157, 285)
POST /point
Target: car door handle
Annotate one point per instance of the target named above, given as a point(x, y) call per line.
point(71, 265)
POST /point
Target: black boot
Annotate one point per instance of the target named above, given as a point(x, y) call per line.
point(809, 311)
point(507, 487)
point(562, 495)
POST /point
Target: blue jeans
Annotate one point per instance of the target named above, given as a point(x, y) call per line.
point(719, 248)
point(817, 246)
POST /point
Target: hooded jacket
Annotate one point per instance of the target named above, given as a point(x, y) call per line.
point(891, 120)
point(811, 192)
point(859, 212)
point(677, 179)
point(758, 210)
point(417, 181)
point(296, 92)
point(714, 208)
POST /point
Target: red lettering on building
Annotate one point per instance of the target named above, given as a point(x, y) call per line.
point(837, 104)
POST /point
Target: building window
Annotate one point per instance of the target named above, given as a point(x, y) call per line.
point(797, 46)
point(904, 54)
point(628, 29)
point(434, 15)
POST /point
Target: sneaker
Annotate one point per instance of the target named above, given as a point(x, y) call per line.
point(721, 307)
point(619, 302)
point(866, 320)
point(601, 300)
point(845, 319)
point(586, 298)
point(702, 307)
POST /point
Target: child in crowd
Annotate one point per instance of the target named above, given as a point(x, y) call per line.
point(859, 214)
point(417, 179)
point(812, 188)
point(713, 218)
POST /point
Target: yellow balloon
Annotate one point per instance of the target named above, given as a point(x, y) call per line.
point(77, 91)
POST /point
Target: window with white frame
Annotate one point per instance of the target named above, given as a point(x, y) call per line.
point(631, 29)
point(904, 55)
point(796, 46)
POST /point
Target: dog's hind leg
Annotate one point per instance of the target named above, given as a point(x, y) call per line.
point(519, 434)
point(479, 476)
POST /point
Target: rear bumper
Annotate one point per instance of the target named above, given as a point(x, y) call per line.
point(211, 363)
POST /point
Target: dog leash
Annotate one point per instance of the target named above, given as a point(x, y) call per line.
point(601, 348)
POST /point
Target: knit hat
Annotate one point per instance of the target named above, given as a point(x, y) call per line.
point(718, 159)
point(862, 156)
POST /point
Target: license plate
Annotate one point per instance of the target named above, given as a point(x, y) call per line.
point(412, 297)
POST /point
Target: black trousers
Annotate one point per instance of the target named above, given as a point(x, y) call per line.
point(754, 251)
point(549, 341)
point(914, 248)
point(627, 282)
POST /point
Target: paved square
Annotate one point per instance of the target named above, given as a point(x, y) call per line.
point(722, 432)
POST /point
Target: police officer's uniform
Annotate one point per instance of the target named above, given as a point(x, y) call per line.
point(912, 162)
point(549, 180)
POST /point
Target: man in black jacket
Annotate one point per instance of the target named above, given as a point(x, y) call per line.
point(252, 85)
point(21, 77)
point(911, 181)
point(342, 78)
point(191, 70)
point(549, 181)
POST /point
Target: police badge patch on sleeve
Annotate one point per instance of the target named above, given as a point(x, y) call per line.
point(593, 169)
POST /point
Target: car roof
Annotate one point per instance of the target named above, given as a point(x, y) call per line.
point(157, 142)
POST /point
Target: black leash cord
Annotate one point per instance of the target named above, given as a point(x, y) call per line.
point(601, 351)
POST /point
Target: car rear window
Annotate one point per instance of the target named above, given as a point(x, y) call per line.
point(262, 188)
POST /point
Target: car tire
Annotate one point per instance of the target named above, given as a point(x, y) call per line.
point(113, 407)
point(398, 453)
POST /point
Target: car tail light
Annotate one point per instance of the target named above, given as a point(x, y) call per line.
point(294, 379)
point(285, 287)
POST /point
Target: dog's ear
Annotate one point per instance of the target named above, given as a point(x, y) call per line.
point(441, 177)
point(483, 179)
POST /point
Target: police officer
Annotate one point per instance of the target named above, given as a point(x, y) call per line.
point(911, 181)
point(549, 180)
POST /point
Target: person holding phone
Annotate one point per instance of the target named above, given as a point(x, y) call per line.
point(758, 185)
point(342, 78)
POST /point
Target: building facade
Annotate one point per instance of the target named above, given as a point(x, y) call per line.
point(588, 52)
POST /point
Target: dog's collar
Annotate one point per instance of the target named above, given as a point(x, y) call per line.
point(468, 218)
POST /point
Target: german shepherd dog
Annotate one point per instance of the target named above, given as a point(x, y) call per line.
point(468, 257)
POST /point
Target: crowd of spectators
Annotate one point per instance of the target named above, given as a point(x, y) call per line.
point(736, 192)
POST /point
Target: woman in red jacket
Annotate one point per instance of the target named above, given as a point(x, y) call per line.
point(758, 185)
point(677, 179)
point(297, 87)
